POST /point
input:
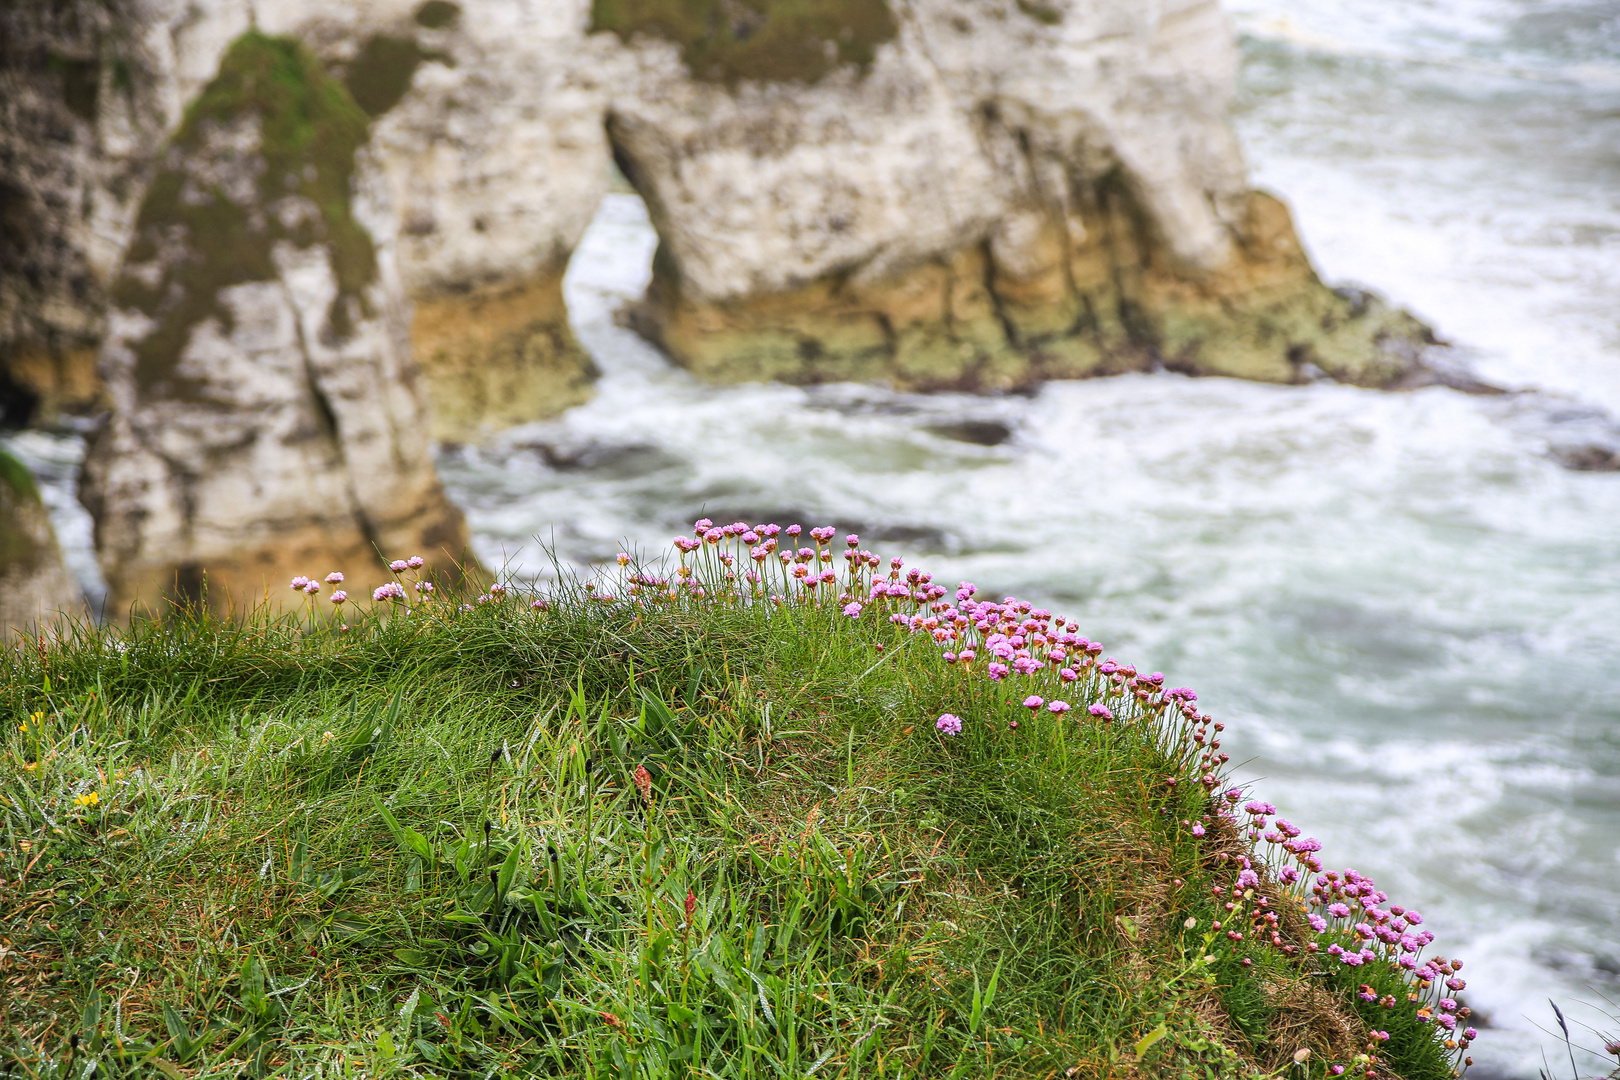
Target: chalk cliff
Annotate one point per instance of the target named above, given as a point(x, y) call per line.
point(1004, 191)
point(266, 417)
point(490, 155)
point(290, 296)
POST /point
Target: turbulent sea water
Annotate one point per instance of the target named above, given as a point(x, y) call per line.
point(1407, 613)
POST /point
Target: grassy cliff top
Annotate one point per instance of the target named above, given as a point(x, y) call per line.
point(707, 821)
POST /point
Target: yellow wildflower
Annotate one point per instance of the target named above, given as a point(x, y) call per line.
point(31, 766)
point(90, 799)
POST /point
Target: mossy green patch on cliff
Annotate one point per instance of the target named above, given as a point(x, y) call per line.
point(208, 215)
point(81, 84)
point(381, 72)
point(1051, 16)
point(16, 478)
point(726, 41)
point(437, 14)
point(18, 495)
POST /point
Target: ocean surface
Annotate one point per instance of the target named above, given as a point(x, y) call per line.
point(1406, 612)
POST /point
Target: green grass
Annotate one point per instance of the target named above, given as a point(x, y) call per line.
point(420, 848)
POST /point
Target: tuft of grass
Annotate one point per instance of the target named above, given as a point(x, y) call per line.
point(643, 837)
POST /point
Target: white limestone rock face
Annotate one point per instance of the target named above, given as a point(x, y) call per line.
point(1008, 192)
point(267, 418)
point(967, 194)
point(487, 134)
point(496, 159)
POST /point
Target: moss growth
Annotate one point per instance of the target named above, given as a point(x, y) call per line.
point(16, 478)
point(1051, 16)
point(437, 14)
point(81, 85)
point(381, 72)
point(19, 549)
point(726, 41)
point(310, 128)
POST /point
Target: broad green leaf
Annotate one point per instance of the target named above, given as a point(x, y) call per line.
point(509, 870)
point(1149, 1039)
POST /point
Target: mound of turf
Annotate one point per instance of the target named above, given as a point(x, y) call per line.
point(724, 823)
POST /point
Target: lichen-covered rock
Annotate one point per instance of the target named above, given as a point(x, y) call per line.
point(267, 418)
point(34, 586)
point(1006, 192)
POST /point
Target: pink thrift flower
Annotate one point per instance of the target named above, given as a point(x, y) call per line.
point(1059, 707)
point(1100, 711)
point(338, 597)
point(1033, 702)
point(853, 610)
point(299, 583)
point(949, 724)
point(398, 565)
point(414, 562)
point(1068, 675)
point(334, 578)
point(312, 588)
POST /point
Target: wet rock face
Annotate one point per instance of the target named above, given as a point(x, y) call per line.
point(34, 586)
point(1007, 193)
point(267, 418)
point(63, 64)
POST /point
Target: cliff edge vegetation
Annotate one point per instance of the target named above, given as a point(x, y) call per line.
point(818, 817)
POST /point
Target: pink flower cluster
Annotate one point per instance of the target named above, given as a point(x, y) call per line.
point(1344, 909)
point(1016, 643)
point(389, 591)
point(311, 588)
